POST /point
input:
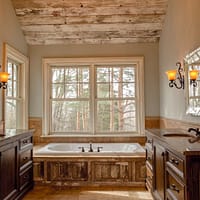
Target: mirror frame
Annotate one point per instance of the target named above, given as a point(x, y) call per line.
point(192, 61)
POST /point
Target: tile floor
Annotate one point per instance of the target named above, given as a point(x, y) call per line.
point(47, 193)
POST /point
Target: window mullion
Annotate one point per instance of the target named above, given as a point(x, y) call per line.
point(92, 98)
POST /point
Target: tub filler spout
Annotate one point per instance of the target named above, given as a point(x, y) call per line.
point(90, 148)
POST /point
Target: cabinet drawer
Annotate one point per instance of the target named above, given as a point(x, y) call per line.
point(25, 142)
point(26, 177)
point(149, 179)
point(175, 188)
point(175, 162)
point(25, 157)
point(149, 156)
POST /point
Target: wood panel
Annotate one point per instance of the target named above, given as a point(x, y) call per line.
point(67, 171)
point(172, 123)
point(76, 17)
point(152, 122)
point(111, 171)
point(90, 171)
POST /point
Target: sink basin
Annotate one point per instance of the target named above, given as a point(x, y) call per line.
point(177, 135)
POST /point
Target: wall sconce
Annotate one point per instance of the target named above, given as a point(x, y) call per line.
point(173, 78)
point(4, 79)
point(193, 77)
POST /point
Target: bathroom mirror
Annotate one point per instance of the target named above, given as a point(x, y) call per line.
point(192, 62)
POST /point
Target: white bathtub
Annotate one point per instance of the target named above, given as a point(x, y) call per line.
point(83, 149)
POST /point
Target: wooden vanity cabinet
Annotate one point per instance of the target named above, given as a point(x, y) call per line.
point(155, 167)
point(25, 164)
point(159, 171)
point(149, 164)
point(16, 166)
point(8, 171)
point(175, 170)
point(174, 177)
point(193, 171)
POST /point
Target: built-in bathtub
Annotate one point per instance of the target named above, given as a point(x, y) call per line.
point(95, 149)
point(85, 164)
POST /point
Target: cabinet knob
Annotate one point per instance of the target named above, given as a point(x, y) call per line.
point(149, 158)
point(173, 187)
point(149, 141)
point(26, 176)
point(174, 161)
point(25, 158)
point(25, 141)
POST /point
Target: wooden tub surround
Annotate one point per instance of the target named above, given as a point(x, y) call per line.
point(91, 170)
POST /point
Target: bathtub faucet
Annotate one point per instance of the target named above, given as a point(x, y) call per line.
point(99, 149)
point(82, 149)
point(196, 130)
point(90, 149)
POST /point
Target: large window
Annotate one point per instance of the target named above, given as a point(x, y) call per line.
point(93, 96)
point(16, 94)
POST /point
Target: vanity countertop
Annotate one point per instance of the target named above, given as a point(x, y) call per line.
point(176, 139)
point(13, 134)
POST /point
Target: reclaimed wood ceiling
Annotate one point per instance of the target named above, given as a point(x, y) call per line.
point(46, 22)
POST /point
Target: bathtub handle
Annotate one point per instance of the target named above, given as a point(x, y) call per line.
point(99, 149)
point(82, 149)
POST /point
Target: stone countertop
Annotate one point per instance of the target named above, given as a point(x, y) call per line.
point(14, 134)
point(178, 142)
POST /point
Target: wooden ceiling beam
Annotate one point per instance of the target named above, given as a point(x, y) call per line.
point(90, 11)
point(93, 27)
point(87, 3)
point(93, 34)
point(95, 19)
point(61, 41)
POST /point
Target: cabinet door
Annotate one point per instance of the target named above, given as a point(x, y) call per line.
point(193, 177)
point(159, 171)
point(8, 171)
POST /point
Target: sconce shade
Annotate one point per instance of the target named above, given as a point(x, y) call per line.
point(176, 80)
point(171, 74)
point(4, 77)
point(194, 74)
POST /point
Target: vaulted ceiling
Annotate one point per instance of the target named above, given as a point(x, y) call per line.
point(47, 22)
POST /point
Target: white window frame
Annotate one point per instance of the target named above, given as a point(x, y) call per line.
point(48, 62)
point(192, 61)
point(13, 54)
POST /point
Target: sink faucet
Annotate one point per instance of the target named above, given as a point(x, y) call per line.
point(90, 149)
point(197, 138)
point(196, 130)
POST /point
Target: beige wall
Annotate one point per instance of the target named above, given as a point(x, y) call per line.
point(181, 35)
point(10, 31)
point(149, 51)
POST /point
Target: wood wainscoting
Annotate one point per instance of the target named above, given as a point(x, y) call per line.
point(172, 123)
point(150, 122)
